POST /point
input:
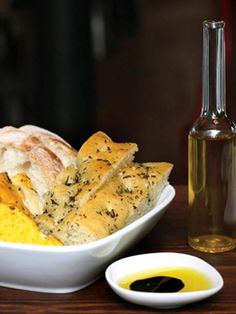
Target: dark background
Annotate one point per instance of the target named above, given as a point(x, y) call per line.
point(129, 68)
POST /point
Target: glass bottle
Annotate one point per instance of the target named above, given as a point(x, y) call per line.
point(211, 155)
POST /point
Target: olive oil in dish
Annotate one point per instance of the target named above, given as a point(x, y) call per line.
point(211, 156)
point(195, 278)
point(166, 280)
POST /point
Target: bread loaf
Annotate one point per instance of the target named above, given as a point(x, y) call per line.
point(23, 151)
point(53, 142)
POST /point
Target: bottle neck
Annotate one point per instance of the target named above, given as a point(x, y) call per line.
point(213, 91)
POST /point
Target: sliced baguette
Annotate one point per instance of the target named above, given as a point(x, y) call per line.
point(127, 196)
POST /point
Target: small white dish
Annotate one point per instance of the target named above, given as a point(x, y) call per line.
point(133, 264)
point(63, 269)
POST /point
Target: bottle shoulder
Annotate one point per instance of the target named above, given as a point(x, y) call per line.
point(213, 126)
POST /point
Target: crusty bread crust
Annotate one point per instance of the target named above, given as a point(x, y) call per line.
point(63, 150)
point(33, 129)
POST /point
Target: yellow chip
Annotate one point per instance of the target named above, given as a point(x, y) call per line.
point(16, 226)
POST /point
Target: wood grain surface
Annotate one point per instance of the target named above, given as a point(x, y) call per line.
point(169, 235)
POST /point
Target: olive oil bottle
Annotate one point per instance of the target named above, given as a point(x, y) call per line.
point(212, 155)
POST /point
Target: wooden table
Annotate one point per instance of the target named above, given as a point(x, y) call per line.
point(169, 236)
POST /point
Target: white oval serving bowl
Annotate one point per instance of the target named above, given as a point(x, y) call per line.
point(133, 264)
point(69, 268)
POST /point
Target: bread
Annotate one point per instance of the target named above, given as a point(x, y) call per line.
point(98, 160)
point(148, 179)
point(27, 193)
point(127, 196)
point(22, 151)
point(53, 142)
point(9, 194)
point(76, 197)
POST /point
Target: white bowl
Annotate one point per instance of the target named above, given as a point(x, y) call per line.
point(133, 264)
point(70, 268)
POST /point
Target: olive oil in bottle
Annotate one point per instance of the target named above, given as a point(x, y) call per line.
point(211, 156)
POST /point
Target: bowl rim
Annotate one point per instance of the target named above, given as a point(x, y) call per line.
point(166, 197)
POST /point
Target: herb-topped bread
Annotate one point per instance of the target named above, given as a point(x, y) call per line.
point(98, 160)
point(52, 194)
point(124, 198)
